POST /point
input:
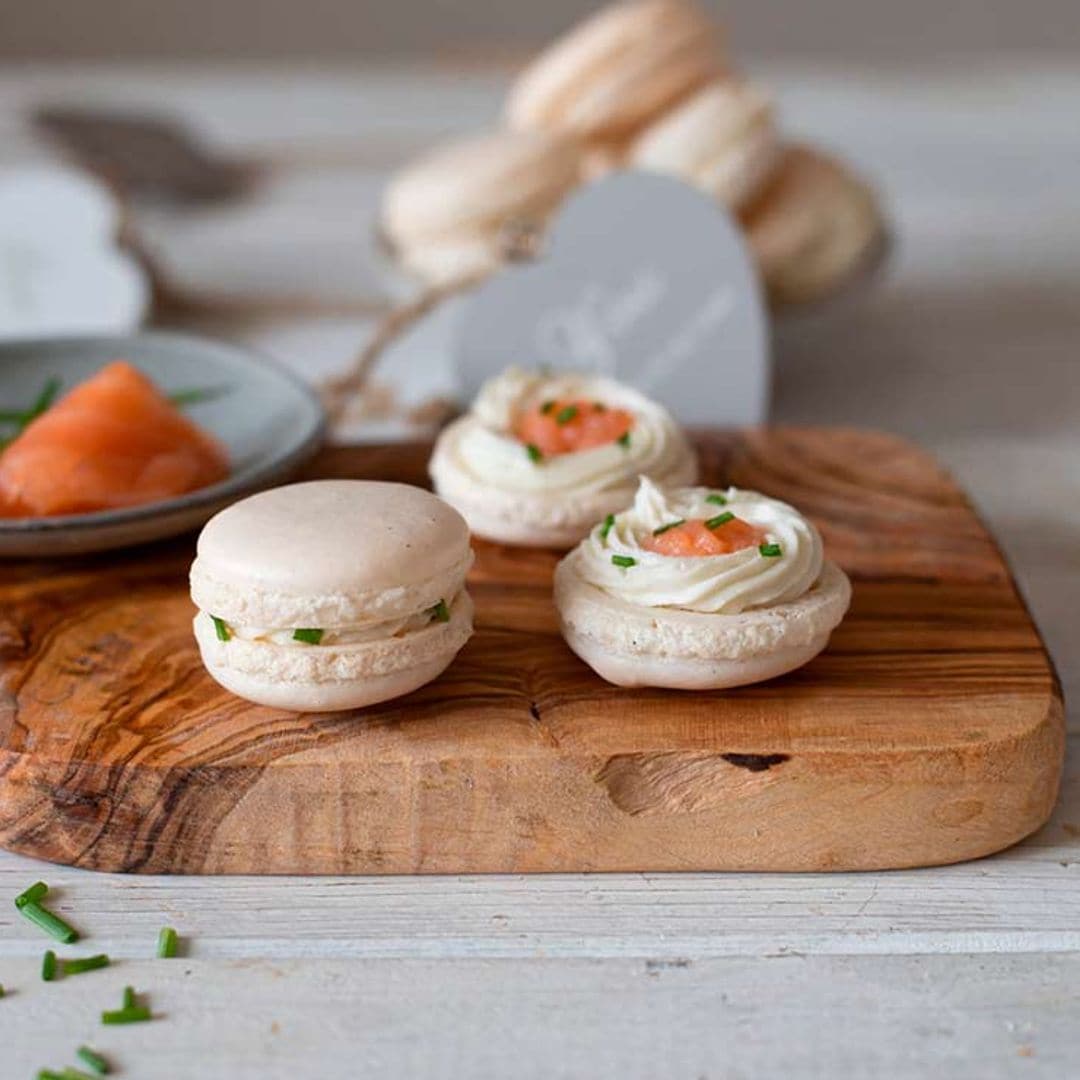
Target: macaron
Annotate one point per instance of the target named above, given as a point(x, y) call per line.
point(699, 589)
point(617, 71)
point(447, 216)
point(722, 139)
point(331, 595)
point(540, 456)
point(814, 226)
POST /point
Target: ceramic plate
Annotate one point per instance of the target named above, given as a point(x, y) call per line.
point(269, 421)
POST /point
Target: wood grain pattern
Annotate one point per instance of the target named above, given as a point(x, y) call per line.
point(930, 731)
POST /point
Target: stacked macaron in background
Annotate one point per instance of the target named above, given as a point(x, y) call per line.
point(642, 84)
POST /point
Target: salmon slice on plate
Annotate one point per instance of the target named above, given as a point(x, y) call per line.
point(114, 441)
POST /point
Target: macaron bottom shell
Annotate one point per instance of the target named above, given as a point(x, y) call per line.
point(330, 678)
point(632, 645)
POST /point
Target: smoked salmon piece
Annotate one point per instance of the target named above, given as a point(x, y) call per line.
point(564, 427)
point(113, 441)
point(691, 538)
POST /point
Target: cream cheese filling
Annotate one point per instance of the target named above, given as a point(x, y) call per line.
point(715, 584)
point(354, 634)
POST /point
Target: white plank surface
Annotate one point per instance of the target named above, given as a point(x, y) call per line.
point(970, 346)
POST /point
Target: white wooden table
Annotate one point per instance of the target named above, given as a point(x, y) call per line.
point(970, 346)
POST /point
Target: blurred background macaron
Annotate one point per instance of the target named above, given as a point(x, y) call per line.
point(448, 216)
point(617, 71)
point(333, 594)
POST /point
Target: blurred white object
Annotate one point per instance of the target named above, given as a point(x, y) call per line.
point(61, 271)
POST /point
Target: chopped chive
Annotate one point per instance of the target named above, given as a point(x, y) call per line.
point(48, 966)
point(135, 1015)
point(84, 963)
point(609, 521)
point(716, 499)
point(196, 396)
point(1, 990)
point(43, 400)
point(535, 456)
point(624, 440)
point(309, 637)
point(48, 1074)
point(440, 612)
point(92, 1059)
point(129, 997)
point(623, 560)
point(720, 519)
point(566, 414)
point(52, 924)
point(71, 1073)
point(34, 895)
point(547, 407)
point(221, 628)
point(166, 943)
point(770, 551)
point(669, 525)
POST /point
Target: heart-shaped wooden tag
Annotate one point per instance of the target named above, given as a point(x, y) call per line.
point(642, 278)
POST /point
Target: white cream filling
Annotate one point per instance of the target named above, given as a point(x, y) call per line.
point(355, 634)
point(484, 448)
point(715, 584)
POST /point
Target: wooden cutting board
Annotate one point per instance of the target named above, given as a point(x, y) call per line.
point(930, 731)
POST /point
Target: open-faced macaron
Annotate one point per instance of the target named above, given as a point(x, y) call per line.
point(540, 457)
point(332, 594)
point(699, 589)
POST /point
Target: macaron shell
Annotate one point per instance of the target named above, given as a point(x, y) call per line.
point(812, 227)
point(317, 678)
point(689, 649)
point(476, 184)
point(617, 69)
point(329, 553)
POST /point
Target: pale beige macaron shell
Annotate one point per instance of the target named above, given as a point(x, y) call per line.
point(722, 139)
point(329, 553)
point(815, 226)
point(632, 645)
point(617, 70)
point(443, 216)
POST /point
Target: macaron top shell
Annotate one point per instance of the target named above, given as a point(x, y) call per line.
point(330, 553)
point(479, 182)
point(617, 69)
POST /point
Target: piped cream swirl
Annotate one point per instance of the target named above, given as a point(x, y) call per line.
point(480, 450)
point(715, 584)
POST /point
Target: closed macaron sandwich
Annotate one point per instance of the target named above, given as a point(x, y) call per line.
point(333, 594)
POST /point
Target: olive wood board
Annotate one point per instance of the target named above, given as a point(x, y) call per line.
point(930, 731)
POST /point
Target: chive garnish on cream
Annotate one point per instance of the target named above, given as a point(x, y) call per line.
point(566, 414)
point(48, 966)
point(308, 637)
point(720, 519)
point(535, 455)
point(71, 1073)
point(609, 521)
point(770, 551)
point(166, 943)
point(670, 525)
point(129, 997)
point(439, 612)
point(623, 560)
point(716, 499)
point(624, 440)
point(221, 628)
point(92, 1059)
